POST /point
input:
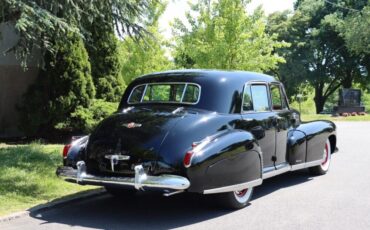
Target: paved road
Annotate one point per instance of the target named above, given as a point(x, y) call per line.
point(338, 200)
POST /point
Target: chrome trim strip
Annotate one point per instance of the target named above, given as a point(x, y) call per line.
point(164, 102)
point(282, 168)
point(140, 181)
point(285, 167)
point(233, 188)
point(306, 165)
point(298, 166)
point(313, 163)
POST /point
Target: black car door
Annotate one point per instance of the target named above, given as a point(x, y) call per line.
point(258, 119)
point(282, 121)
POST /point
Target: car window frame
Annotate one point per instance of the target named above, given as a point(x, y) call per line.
point(249, 84)
point(164, 102)
point(283, 96)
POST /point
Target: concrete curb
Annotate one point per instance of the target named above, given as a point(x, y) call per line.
point(54, 204)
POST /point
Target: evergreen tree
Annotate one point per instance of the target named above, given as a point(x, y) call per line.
point(105, 63)
point(38, 23)
point(61, 87)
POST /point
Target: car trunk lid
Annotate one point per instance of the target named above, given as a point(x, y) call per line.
point(129, 138)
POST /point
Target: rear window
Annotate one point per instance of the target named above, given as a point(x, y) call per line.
point(187, 93)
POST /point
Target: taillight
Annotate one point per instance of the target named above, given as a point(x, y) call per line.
point(187, 158)
point(65, 150)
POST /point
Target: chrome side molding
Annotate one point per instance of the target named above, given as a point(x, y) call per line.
point(267, 173)
point(306, 165)
point(283, 168)
point(235, 187)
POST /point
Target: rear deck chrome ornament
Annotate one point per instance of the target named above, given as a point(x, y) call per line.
point(115, 158)
point(131, 125)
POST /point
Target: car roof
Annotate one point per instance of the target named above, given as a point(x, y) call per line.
point(220, 90)
point(211, 75)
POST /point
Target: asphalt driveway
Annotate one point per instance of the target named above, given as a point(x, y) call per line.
point(338, 200)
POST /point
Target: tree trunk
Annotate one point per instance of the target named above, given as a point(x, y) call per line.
point(347, 81)
point(319, 98)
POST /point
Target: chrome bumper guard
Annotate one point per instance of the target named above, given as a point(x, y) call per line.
point(140, 181)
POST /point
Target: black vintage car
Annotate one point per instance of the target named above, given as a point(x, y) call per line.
point(209, 132)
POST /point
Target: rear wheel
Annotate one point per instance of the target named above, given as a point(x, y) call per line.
point(324, 167)
point(236, 200)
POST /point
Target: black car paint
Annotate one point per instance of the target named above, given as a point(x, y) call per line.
point(242, 144)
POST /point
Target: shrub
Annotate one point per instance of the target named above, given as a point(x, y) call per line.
point(63, 86)
point(85, 119)
point(105, 65)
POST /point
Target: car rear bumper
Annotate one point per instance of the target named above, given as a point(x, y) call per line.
point(140, 181)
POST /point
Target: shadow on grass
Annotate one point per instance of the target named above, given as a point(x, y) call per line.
point(150, 210)
point(25, 171)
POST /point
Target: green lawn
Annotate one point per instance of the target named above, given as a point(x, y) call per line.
point(27, 176)
point(310, 117)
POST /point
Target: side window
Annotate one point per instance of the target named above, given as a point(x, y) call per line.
point(135, 96)
point(191, 94)
point(247, 99)
point(260, 98)
point(277, 100)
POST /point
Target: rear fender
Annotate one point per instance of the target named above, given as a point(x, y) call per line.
point(76, 152)
point(230, 159)
point(296, 147)
point(317, 132)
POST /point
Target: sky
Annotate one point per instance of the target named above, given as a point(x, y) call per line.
point(177, 8)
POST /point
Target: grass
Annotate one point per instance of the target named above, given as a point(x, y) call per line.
point(311, 117)
point(27, 176)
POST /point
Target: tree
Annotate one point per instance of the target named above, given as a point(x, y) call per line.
point(105, 62)
point(289, 28)
point(356, 32)
point(63, 86)
point(222, 35)
point(146, 54)
point(319, 55)
point(39, 23)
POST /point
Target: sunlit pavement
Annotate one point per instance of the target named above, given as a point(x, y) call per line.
point(338, 200)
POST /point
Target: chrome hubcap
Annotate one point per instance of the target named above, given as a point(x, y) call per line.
point(243, 196)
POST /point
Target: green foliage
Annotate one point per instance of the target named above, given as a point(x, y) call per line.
point(143, 56)
point(223, 36)
point(27, 176)
point(318, 54)
point(39, 23)
point(86, 119)
point(105, 64)
point(146, 54)
point(63, 86)
point(355, 28)
point(307, 106)
point(366, 101)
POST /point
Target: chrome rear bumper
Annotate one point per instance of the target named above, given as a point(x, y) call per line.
point(140, 181)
